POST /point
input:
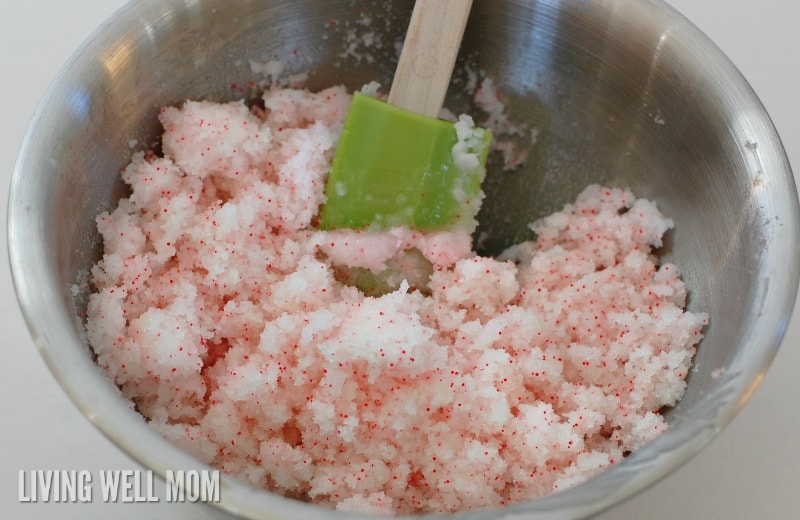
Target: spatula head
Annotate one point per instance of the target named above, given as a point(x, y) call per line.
point(393, 168)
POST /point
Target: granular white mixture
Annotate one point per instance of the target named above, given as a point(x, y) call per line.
point(223, 314)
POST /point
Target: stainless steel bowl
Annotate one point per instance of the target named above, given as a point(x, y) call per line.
point(624, 92)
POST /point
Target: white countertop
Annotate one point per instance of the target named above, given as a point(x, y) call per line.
point(752, 470)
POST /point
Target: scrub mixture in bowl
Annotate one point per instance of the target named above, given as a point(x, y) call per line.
point(449, 382)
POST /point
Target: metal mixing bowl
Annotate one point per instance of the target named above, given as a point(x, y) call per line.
point(623, 92)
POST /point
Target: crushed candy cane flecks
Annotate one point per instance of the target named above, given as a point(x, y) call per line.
point(220, 311)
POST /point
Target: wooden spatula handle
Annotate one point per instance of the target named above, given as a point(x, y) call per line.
point(429, 55)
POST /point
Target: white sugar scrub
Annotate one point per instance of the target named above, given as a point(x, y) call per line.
point(234, 326)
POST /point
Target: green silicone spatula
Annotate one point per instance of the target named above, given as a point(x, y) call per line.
point(396, 164)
